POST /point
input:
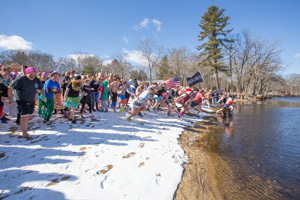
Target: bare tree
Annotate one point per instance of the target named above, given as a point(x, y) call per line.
point(152, 53)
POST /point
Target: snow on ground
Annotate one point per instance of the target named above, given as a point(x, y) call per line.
point(107, 158)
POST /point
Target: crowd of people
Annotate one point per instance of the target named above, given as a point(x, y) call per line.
point(71, 93)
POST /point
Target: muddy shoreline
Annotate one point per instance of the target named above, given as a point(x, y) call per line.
point(197, 182)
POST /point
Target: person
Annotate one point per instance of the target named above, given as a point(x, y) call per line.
point(72, 96)
point(170, 98)
point(158, 96)
point(182, 102)
point(196, 102)
point(25, 90)
point(64, 88)
point(123, 90)
point(58, 102)
point(227, 104)
point(104, 96)
point(114, 86)
point(6, 78)
point(94, 86)
point(3, 95)
point(86, 97)
point(139, 104)
point(51, 87)
point(43, 77)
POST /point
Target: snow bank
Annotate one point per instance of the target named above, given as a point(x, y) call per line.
point(107, 158)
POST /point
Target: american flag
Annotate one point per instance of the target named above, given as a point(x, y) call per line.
point(172, 82)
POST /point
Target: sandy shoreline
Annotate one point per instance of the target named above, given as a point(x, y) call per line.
point(197, 181)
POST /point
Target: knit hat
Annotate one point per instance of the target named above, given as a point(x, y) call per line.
point(43, 74)
point(30, 70)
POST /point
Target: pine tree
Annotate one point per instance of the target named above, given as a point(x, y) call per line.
point(213, 23)
point(164, 71)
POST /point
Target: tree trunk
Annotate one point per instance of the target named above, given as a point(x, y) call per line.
point(217, 78)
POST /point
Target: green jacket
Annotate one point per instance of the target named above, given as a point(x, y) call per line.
point(105, 93)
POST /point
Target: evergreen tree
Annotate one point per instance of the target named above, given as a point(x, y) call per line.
point(164, 71)
point(213, 23)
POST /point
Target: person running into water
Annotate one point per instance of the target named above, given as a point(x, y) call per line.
point(25, 90)
point(139, 104)
point(196, 102)
point(46, 108)
point(86, 97)
point(158, 96)
point(227, 104)
point(182, 102)
point(173, 93)
point(72, 96)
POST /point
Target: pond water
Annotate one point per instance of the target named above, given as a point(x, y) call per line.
point(256, 153)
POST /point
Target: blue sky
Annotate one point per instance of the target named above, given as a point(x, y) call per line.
point(106, 28)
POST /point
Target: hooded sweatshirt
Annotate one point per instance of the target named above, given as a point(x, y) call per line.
point(105, 93)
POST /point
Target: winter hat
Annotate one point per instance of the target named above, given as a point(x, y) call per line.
point(43, 74)
point(188, 90)
point(53, 73)
point(30, 70)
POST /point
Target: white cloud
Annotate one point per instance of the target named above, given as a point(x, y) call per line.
point(14, 42)
point(78, 56)
point(107, 62)
point(144, 24)
point(135, 57)
point(297, 55)
point(157, 24)
point(125, 40)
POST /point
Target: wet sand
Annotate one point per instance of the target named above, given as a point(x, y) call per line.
point(197, 183)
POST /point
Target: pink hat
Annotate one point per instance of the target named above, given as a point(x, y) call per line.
point(44, 74)
point(30, 69)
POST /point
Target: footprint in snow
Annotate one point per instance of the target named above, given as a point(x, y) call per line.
point(141, 164)
point(105, 170)
point(57, 180)
point(129, 155)
point(142, 145)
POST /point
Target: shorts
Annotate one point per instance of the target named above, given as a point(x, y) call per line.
point(123, 97)
point(137, 103)
point(158, 98)
point(114, 97)
point(178, 105)
point(194, 104)
point(26, 108)
point(168, 101)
